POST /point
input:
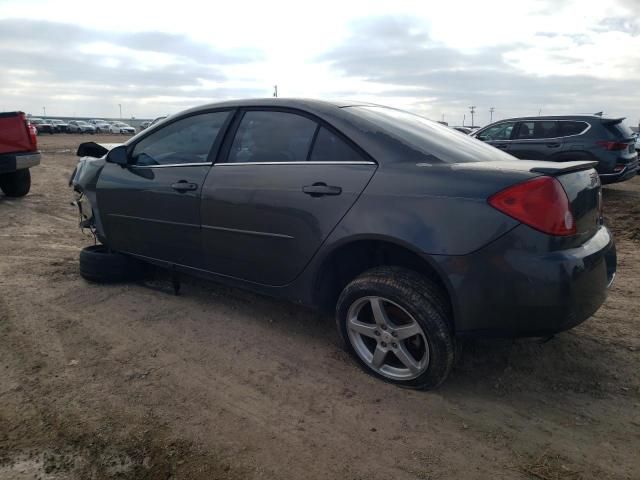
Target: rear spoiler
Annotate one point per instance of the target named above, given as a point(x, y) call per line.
point(93, 149)
point(560, 168)
point(612, 121)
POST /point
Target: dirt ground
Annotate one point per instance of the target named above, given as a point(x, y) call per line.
point(131, 382)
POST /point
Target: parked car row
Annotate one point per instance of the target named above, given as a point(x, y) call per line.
point(149, 123)
point(51, 126)
point(609, 141)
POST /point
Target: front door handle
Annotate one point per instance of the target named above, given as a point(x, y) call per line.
point(319, 189)
point(553, 145)
point(184, 186)
point(501, 146)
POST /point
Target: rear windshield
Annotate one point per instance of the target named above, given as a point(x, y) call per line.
point(436, 141)
point(619, 130)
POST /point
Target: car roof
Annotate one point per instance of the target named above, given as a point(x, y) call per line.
point(555, 117)
point(297, 103)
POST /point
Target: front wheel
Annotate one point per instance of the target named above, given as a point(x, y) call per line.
point(396, 324)
point(16, 184)
point(100, 264)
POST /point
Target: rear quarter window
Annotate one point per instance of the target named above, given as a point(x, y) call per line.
point(572, 128)
point(330, 148)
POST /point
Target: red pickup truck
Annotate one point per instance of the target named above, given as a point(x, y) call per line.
point(18, 153)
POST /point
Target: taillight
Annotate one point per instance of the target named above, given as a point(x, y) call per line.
point(607, 145)
point(31, 132)
point(540, 203)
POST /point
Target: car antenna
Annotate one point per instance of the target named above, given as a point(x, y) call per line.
point(598, 114)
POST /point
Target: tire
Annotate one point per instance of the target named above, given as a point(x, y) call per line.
point(411, 303)
point(16, 184)
point(100, 265)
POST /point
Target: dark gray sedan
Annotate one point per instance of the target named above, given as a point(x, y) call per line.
point(412, 233)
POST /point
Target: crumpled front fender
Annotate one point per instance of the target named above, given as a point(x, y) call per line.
point(84, 180)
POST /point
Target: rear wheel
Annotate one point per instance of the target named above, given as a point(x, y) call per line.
point(396, 324)
point(16, 184)
point(101, 265)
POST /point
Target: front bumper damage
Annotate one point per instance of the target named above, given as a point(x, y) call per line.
point(84, 180)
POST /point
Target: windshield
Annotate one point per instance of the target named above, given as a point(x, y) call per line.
point(438, 142)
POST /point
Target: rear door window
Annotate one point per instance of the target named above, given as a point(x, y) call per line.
point(328, 147)
point(537, 129)
point(270, 136)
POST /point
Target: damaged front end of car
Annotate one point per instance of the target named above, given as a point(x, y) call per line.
point(84, 180)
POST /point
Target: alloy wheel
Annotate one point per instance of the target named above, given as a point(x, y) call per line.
point(387, 338)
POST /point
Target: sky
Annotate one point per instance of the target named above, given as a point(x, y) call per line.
point(434, 58)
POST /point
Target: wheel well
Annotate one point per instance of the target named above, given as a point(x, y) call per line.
point(349, 261)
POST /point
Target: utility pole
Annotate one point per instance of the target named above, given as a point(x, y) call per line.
point(275, 91)
point(472, 108)
point(44, 111)
point(491, 110)
point(120, 107)
point(464, 116)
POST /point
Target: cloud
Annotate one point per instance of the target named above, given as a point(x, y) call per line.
point(398, 55)
point(50, 60)
point(554, 56)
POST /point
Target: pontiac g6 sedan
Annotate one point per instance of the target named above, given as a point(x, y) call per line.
point(412, 233)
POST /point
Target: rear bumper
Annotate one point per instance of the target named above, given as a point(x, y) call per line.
point(509, 290)
point(18, 161)
point(630, 170)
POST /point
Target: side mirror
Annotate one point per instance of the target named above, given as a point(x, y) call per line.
point(118, 155)
point(91, 149)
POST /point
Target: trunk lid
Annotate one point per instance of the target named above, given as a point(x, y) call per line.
point(579, 180)
point(582, 186)
point(585, 197)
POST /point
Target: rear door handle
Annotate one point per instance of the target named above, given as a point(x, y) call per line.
point(184, 186)
point(501, 146)
point(319, 189)
point(553, 145)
